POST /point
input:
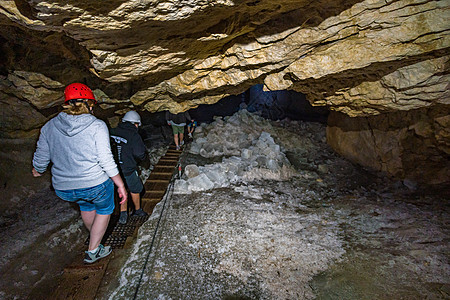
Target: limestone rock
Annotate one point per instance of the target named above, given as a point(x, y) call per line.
point(18, 118)
point(189, 53)
point(411, 87)
point(39, 90)
point(114, 121)
point(103, 98)
point(413, 145)
point(442, 133)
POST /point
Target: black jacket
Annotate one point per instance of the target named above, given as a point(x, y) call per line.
point(180, 118)
point(129, 147)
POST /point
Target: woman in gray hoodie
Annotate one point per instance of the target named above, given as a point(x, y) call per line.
point(83, 170)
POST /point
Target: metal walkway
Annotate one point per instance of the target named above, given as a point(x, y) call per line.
point(80, 281)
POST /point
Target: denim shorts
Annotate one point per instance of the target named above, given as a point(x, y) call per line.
point(134, 183)
point(99, 198)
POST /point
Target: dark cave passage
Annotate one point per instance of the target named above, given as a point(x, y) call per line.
point(273, 105)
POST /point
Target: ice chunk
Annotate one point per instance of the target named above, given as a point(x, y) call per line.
point(261, 160)
point(204, 153)
point(246, 153)
point(213, 138)
point(234, 160)
point(265, 137)
point(200, 183)
point(234, 120)
point(218, 178)
point(181, 187)
point(275, 148)
point(260, 144)
point(272, 165)
point(195, 148)
point(200, 141)
point(231, 168)
point(211, 149)
point(269, 153)
point(255, 152)
point(191, 171)
point(218, 121)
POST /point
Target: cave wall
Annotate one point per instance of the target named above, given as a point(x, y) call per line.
point(413, 144)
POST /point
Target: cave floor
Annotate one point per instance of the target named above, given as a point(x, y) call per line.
point(394, 246)
point(344, 234)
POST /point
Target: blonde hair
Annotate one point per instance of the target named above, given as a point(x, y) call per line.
point(78, 108)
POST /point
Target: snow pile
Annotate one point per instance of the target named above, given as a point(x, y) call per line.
point(255, 155)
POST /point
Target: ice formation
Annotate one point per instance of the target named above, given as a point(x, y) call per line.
point(249, 153)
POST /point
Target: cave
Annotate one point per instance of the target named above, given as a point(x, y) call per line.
point(319, 168)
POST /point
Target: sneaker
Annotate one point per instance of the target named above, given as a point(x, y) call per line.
point(182, 143)
point(101, 252)
point(190, 135)
point(178, 147)
point(123, 217)
point(140, 213)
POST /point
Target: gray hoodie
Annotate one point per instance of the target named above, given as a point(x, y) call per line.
point(78, 146)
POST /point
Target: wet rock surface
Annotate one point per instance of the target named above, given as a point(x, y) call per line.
point(333, 231)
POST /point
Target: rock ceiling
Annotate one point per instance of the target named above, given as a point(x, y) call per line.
point(358, 57)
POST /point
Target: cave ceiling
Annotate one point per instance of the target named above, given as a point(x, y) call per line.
point(358, 57)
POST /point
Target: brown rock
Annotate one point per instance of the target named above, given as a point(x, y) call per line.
point(404, 144)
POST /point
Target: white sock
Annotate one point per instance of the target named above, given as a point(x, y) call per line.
point(93, 251)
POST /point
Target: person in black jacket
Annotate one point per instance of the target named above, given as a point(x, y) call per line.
point(130, 150)
point(178, 121)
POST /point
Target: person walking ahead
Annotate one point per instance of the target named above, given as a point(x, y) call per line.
point(178, 121)
point(191, 128)
point(130, 150)
point(83, 170)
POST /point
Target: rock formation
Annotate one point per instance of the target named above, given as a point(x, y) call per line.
point(413, 144)
point(381, 65)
